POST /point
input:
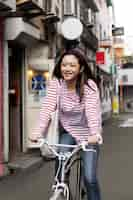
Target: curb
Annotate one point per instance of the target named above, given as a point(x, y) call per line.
point(23, 164)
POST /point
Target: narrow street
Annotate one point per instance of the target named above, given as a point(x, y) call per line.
point(74, 42)
point(115, 169)
point(116, 162)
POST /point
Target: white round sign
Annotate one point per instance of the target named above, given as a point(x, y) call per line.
point(71, 28)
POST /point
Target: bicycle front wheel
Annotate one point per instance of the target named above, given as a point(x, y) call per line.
point(58, 195)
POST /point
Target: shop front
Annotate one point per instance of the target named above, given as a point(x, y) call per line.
point(38, 73)
point(17, 40)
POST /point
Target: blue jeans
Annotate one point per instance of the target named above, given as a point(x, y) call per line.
point(89, 166)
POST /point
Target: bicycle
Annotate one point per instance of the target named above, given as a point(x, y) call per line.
point(61, 187)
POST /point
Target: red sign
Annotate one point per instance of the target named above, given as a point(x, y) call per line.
point(100, 57)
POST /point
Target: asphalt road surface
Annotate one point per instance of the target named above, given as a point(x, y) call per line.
point(115, 169)
point(116, 163)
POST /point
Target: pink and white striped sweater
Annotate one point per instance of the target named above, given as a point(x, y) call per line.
point(80, 119)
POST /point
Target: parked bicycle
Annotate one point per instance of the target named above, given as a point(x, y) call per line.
point(61, 188)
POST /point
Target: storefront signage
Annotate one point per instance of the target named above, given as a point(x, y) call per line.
point(118, 31)
point(38, 82)
point(100, 57)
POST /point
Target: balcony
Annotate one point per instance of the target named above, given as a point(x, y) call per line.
point(7, 5)
point(118, 43)
point(22, 32)
point(28, 4)
point(106, 43)
point(30, 8)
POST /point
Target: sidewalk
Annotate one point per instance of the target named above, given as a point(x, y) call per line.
point(23, 163)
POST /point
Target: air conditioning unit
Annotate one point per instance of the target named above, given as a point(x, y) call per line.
point(6, 5)
point(91, 18)
point(69, 7)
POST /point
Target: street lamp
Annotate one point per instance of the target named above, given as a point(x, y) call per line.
point(71, 30)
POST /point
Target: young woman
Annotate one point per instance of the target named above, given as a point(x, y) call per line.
point(79, 111)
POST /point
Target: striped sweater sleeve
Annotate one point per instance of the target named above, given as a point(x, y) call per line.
point(93, 109)
point(47, 107)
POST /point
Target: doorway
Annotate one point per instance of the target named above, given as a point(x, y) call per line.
point(16, 55)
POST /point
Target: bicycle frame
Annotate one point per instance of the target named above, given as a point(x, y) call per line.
point(66, 161)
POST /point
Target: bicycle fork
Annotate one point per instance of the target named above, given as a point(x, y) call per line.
point(60, 187)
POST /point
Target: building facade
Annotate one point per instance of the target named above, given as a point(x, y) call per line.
point(29, 51)
point(125, 80)
point(5, 7)
point(105, 20)
point(32, 43)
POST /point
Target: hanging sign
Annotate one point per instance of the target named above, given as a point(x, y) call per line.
point(100, 57)
point(118, 31)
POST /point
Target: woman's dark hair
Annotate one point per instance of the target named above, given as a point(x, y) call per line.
point(83, 76)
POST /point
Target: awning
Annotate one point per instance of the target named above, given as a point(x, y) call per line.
point(22, 32)
point(7, 6)
point(41, 63)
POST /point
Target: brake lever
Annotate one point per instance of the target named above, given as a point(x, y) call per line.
point(84, 147)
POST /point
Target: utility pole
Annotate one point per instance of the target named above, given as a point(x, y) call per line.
point(116, 31)
point(115, 100)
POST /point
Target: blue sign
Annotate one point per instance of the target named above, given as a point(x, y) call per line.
point(38, 82)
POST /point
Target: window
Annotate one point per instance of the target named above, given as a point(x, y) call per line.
point(125, 78)
point(48, 5)
point(69, 7)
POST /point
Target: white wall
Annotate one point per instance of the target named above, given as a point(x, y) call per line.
point(126, 76)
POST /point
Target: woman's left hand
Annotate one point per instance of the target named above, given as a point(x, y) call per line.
point(92, 139)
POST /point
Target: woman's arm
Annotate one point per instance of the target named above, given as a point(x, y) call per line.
point(93, 113)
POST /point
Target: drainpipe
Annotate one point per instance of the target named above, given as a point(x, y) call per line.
point(5, 102)
point(1, 97)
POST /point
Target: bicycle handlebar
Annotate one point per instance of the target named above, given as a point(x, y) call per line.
point(76, 148)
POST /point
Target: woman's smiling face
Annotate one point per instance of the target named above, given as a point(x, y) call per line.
point(70, 68)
